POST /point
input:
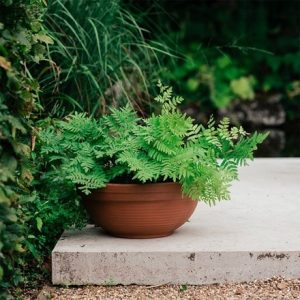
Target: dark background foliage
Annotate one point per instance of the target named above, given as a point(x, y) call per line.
point(237, 58)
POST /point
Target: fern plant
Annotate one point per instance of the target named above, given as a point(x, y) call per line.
point(169, 146)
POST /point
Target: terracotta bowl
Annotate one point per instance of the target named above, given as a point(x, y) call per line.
point(139, 211)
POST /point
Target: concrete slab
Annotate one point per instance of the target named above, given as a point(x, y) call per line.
point(256, 235)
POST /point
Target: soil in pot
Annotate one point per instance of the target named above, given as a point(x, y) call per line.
point(140, 210)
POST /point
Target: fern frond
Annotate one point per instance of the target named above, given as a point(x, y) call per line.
point(139, 164)
point(169, 146)
point(93, 180)
point(223, 130)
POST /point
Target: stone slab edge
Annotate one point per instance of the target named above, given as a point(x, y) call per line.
point(110, 268)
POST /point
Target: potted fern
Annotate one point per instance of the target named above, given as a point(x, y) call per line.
point(142, 177)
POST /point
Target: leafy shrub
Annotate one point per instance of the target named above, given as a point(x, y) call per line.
point(22, 43)
point(51, 207)
point(225, 80)
point(31, 217)
point(121, 147)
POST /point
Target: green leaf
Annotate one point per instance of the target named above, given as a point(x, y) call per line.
point(22, 149)
point(36, 26)
point(243, 87)
point(4, 63)
point(39, 223)
point(192, 84)
point(19, 248)
point(22, 37)
point(223, 62)
point(3, 197)
point(44, 38)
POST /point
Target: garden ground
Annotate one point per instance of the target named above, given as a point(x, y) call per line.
point(275, 288)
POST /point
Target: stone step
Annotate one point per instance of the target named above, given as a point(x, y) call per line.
point(256, 235)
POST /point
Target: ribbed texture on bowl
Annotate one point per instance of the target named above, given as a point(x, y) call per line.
point(140, 210)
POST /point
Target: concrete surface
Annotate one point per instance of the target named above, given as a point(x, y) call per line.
point(256, 235)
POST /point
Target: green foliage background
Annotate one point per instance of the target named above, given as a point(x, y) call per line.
point(100, 57)
point(229, 51)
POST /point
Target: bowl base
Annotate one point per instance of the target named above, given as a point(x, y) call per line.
point(139, 236)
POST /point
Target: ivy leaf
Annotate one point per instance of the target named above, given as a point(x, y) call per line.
point(11, 217)
point(23, 39)
point(21, 149)
point(15, 124)
point(19, 248)
point(36, 26)
point(26, 174)
point(4, 63)
point(1, 273)
point(8, 165)
point(43, 38)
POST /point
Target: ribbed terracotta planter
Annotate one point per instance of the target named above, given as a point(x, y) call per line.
point(139, 210)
